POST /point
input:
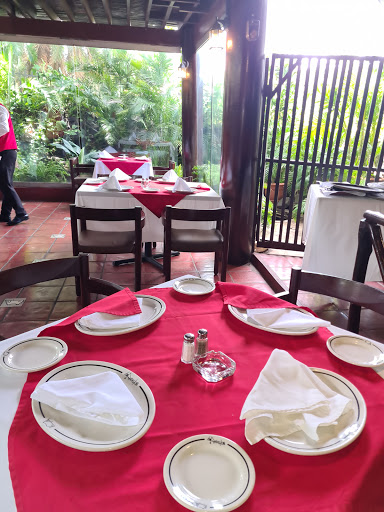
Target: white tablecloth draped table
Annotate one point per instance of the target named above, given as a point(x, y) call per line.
point(330, 234)
point(89, 197)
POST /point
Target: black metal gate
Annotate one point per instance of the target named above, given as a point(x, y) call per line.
point(322, 120)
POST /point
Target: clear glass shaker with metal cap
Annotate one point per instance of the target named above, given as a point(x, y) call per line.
point(201, 343)
point(188, 351)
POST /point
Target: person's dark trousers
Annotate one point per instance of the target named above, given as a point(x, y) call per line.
point(10, 196)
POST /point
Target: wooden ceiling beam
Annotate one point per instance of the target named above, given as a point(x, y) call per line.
point(148, 12)
point(48, 10)
point(168, 13)
point(108, 12)
point(68, 10)
point(8, 7)
point(88, 11)
point(188, 16)
point(86, 34)
point(129, 13)
point(26, 8)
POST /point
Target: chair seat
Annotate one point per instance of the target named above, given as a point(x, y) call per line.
point(108, 243)
point(196, 240)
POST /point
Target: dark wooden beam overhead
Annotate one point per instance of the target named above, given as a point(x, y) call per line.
point(88, 11)
point(7, 7)
point(167, 14)
point(25, 7)
point(51, 13)
point(68, 10)
point(108, 12)
point(87, 34)
point(128, 13)
point(148, 12)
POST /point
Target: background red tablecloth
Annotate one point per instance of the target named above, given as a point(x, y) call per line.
point(127, 165)
point(49, 476)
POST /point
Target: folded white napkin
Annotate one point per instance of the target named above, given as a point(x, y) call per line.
point(102, 397)
point(285, 318)
point(141, 157)
point(170, 176)
point(112, 183)
point(181, 186)
point(103, 321)
point(110, 149)
point(120, 175)
point(289, 397)
point(105, 154)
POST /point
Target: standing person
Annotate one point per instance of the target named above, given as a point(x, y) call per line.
point(8, 154)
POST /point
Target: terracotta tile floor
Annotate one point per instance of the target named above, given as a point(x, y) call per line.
point(47, 235)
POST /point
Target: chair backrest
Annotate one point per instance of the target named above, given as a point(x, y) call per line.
point(216, 214)
point(77, 170)
point(353, 292)
point(41, 271)
point(135, 214)
point(370, 235)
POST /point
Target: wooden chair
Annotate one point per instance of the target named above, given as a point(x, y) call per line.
point(79, 173)
point(34, 273)
point(108, 242)
point(197, 240)
point(353, 292)
point(369, 236)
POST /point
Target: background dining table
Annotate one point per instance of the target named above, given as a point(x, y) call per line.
point(131, 166)
point(46, 475)
point(330, 233)
point(89, 196)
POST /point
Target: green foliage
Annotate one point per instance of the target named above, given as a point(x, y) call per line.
point(52, 170)
point(67, 102)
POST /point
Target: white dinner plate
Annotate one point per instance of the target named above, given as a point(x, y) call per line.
point(126, 187)
point(241, 314)
point(152, 309)
point(209, 472)
point(34, 354)
point(96, 180)
point(170, 189)
point(89, 435)
point(150, 189)
point(194, 286)
point(356, 350)
point(350, 425)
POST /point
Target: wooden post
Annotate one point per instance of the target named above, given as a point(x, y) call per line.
point(189, 104)
point(241, 120)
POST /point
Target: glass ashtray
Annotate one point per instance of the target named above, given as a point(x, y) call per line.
point(214, 366)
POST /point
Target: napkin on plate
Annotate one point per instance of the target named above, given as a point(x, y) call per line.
point(102, 397)
point(111, 184)
point(285, 318)
point(181, 186)
point(99, 321)
point(105, 154)
point(289, 397)
point(120, 175)
point(110, 149)
point(170, 176)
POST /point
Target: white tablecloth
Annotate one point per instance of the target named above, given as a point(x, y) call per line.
point(88, 196)
point(330, 234)
point(146, 170)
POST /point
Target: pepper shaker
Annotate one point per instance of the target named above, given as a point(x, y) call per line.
point(188, 351)
point(201, 342)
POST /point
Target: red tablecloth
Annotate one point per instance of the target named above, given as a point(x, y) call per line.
point(157, 201)
point(49, 476)
point(127, 165)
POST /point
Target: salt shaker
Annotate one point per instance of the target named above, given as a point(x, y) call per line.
point(201, 343)
point(188, 351)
